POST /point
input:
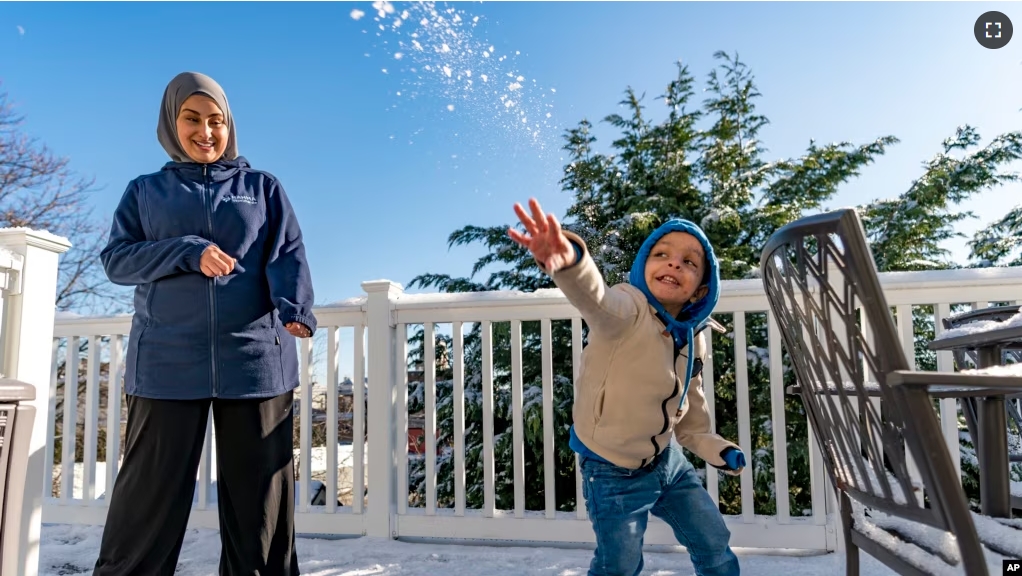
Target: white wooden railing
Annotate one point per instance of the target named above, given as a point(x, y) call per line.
point(378, 324)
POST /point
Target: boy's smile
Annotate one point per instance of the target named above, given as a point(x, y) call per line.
point(675, 270)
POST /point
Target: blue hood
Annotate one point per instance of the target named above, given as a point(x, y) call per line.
point(694, 314)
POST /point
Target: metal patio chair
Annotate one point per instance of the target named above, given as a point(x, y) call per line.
point(841, 338)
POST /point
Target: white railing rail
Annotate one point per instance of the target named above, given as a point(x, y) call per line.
point(378, 324)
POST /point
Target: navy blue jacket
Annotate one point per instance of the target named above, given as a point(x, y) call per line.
point(197, 337)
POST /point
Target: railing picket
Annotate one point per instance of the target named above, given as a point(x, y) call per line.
point(113, 411)
point(91, 440)
point(907, 338)
point(817, 480)
point(206, 465)
point(51, 419)
point(517, 426)
point(549, 486)
point(712, 486)
point(777, 420)
point(489, 498)
point(332, 369)
point(69, 432)
point(358, 422)
point(459, 418)
point(576, 367)
point(305, 426)
point(875, 431)
point(744, 428)
point(429, 382)
point(948, 406)
point(401, 421)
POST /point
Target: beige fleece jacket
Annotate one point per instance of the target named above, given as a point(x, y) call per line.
point(628, 393)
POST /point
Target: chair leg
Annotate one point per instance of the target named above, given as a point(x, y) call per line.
point(851, 550)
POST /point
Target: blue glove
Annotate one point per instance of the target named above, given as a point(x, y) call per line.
point(733, 457)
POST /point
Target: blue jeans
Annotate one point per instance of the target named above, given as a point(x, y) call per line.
point(619, 501)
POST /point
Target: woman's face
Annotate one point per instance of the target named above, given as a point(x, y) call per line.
point(202, 129)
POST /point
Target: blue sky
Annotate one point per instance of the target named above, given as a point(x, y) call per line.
point(379, 180)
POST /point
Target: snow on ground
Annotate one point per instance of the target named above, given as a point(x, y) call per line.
point(68, 550)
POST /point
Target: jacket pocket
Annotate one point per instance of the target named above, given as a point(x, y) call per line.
point(149, 302)
point(598, 404)
point(137, 352)
point(275, 324)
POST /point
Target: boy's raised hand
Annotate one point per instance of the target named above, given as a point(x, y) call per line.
point(544, 239)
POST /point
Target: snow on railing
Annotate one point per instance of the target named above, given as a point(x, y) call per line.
point(376, 357)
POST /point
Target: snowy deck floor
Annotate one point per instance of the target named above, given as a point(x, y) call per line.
point(68, 550)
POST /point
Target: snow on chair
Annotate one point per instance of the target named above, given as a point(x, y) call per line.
point(837, 327)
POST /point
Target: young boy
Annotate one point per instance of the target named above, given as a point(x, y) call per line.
point(634, 390)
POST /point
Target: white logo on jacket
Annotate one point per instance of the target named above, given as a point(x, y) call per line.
point(239, 200)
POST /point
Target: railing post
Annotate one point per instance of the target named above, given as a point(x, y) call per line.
point(27, 349)
point(382, 401)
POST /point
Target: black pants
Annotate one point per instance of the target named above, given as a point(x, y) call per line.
point(152, 496)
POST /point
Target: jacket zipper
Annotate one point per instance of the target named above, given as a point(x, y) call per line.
point(663, 405)
point(214, 359)
point(667, 419)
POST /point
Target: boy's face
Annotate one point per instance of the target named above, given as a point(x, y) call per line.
point(675, 269)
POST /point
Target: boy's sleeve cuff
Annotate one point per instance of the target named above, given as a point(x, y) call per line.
point(579, 252)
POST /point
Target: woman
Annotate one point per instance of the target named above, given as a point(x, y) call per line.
point(222, 289)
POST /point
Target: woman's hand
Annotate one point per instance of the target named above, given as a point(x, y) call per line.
point(544, 240)
point(215, 262)
point(298, 330)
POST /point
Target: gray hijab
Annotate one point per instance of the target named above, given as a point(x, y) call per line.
point(180, 88)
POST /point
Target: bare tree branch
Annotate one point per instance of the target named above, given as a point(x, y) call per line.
point(38, 190)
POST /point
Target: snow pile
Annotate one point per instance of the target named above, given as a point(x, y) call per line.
point(67, 550)
point(1004, 535)
point(43, 234)
point(348, 302)
point(981, 326)
point(1014, 369)
point(435, 52)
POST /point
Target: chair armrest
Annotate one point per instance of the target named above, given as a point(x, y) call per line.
point(996, 313)
point(1001, 336)
point(956, 385)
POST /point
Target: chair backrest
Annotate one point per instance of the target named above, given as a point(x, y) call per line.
point(838, 330)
